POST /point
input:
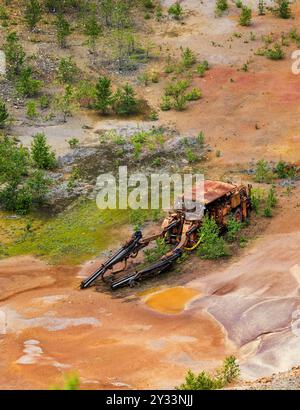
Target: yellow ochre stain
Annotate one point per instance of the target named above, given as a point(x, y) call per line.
point(171, 301)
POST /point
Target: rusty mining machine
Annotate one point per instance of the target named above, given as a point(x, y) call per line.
point(180, 229)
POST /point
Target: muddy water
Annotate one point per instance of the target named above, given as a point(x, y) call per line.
point(171, 301)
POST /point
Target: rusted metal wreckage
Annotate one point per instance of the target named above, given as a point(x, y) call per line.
point(181, 229)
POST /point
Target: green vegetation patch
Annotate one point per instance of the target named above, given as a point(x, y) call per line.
point(74, 236)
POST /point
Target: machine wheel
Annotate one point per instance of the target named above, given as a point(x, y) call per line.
point(238, 215)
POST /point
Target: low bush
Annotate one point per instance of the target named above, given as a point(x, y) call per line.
point(212, 245)
point(228, 373)
point(42, 155)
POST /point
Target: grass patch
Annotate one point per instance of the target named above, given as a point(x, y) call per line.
point(72, 237)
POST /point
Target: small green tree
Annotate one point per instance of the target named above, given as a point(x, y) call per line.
point(281, 169)
point(31, 111)
point(42, 155)
point(71, 382)
point(93, 30)
point(188, 58)
point(14, 161)
point(271, 198)
point(125, 102)
point(213, 246)
point(38, 184)
point(154, 254)
point(233, 227)
point(245, 16)
point(33, 13)
point(227, 373)
point(176, 10)
point(261, 7)
point(283, 9)
point(275, 53)
point(65, 104)
point(26, 85)
point(177, 91)
point(202, 68)
point(202, 381)
point(67, 70)
point(263, 172)
point(3, 114)
point(221, 6)
point(15, 55)
point(103, 94)
point(63, 30)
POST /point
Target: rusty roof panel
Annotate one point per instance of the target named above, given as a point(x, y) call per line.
point(214, 190)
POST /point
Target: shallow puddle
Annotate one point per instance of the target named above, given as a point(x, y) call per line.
point(171, 301)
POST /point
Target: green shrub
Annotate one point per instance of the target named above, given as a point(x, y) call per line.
point(202, 381)
point(267, 211)
point(246, 16)
point(271, 198)
point(63, 30)
point(281, 169)
point(67, 70)
point(31, 111)
point(294, 36)
point(177, 91)
point(190, 155)
point(261, 7)
point(228, 373)
point(201, 138)
point(194, 95)
point(263, 172)
point(26, 85)
point(85, 94)
point(188, 58)
point(4, 116)
point(3, 15)
point(283, 9)
point(202, 68)
point(23, 201)
point(93, 30)
point(221, 6)
point(38, 185)
point(33, 13)
point(73, 143)
point(125, 102)
point(257, 196)
point(154, 254)
point(14, 161)
point(104, 97)
point(166, 104)
point(15, 55)
point(230, 370)
point(16, 199)
point(275, 53)
point(44, 101)
point(176, 10)
point(212, 246)
point(41, 154)
point(233, 227)
point(71, 382)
